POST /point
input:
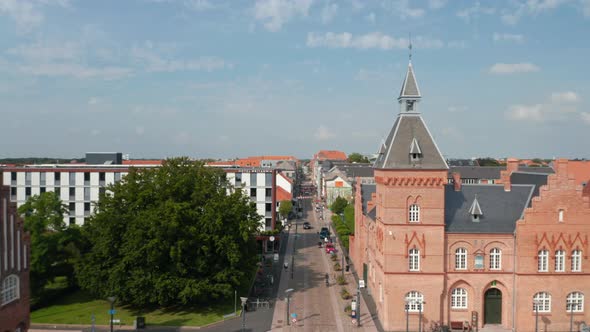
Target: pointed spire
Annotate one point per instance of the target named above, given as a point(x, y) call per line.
point(382, 148)
point(475, 209)
point(410, 88)
point(414, 147)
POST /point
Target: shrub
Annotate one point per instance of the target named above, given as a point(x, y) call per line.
point(345, 294)
point(348, 309)
point(337, 266)
point(340, 280)
point(334, 257)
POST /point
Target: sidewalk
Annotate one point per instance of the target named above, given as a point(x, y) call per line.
point(368, 318)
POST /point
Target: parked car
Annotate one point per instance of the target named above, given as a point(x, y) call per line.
point(330, 248)
point(306, 225)
point(324, 233)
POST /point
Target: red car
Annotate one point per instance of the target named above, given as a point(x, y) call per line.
point(330, 248)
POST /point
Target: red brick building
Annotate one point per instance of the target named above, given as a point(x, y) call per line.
point(507, 256)
point(14, 267)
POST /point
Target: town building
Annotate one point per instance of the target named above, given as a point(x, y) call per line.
point(506, 255)
point(14, 267)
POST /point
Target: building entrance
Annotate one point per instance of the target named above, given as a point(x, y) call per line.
point(493, 306)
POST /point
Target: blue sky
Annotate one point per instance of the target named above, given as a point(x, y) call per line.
point(222, 79)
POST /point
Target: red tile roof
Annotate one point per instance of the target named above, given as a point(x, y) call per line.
point(330, 155)
point(283, 195)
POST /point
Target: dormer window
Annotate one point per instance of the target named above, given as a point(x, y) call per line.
point(475, 211)
point(415, 151)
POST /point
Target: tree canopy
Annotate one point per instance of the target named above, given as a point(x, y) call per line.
point(54, 247)
point(285, 208)
point(356, 157)
point(338, 205)
point(169, 235)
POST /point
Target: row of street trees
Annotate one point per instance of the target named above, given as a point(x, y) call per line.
point(164, 236)
point(344, 227)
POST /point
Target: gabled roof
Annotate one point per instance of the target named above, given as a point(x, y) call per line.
point(409, 127)
point(410, 86)
point(330, 155)
point(503, 208)
point(475, 209)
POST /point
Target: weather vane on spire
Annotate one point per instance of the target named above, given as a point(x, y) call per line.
point(410, 46)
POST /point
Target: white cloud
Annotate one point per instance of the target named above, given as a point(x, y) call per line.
point(585, 117)
point(45, 51)
point(512, 68)
point(95, 132)
point(541, 5)
point(586, 7)
point(526, 112)
point(369, 75)
point(452, 132)
point(371, 18)
point(508, 37)
point(371, 40)
point(27, 13)
point(457, 109)
point(93, 100)
point(323, 133)
point(474, 12)
point(457, 44)
point(150, 57)
point(275, 13)
point(198, 5)
point(75, 70)
point(139, 130)
point(436, 4)
point(565, 97)
point(402, 9)
point(329, 12)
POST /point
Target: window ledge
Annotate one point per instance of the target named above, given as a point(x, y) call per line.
point(460, 309)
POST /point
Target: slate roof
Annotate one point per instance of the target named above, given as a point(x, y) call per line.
point(535, 179)
point(477, 172)
point(541, 170)
point(366, 191)
point(359, 171)
point(501, 208)
point(410, 86)
point(406, 128)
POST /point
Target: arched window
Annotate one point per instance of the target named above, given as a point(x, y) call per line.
point(414, 213)
point(460, 259)
point(575, 302)
point(459, 298)
point(10, 289)
point(495, 259)
point(560, 261)
point(543, 258)
point(542, 302)
point(577, 261)
point(414, 301)
point(414, 262)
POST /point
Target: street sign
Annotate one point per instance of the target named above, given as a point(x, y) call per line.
point(112, 311)
point(294, 320)
point(353, 305)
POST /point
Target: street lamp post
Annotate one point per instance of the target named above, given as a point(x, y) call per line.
point(408, 302)
point(288, 293)
point(420, 315)
point(536, 305)
point(244, 300)
point(571, 316)
point(112, 311)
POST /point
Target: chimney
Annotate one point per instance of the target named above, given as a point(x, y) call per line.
point(511, 166)
point(457, 181)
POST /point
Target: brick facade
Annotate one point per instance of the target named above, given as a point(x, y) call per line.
point(14, 260)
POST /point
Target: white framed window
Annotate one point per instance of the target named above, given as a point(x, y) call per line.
point(577, 261)
point(414, 215)
point(495, 259)
point(414, 301)
point(542, 302)
point(575, 301)
point(560, 216)
point(460, 259)
point(414, 260)
point(543, 257)
point(459, 298)
point(10, 289)
point(560, 261)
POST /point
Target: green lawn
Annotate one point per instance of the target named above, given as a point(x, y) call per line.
point(78, 308)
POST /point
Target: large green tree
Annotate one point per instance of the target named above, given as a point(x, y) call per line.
point(285, 208)
point(356, 157)
point(338, 205)
point(170, 235)
point(53, 245)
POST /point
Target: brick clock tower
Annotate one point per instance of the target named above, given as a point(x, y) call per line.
point(410, 174)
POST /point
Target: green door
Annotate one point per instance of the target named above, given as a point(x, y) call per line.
point(493, 306)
